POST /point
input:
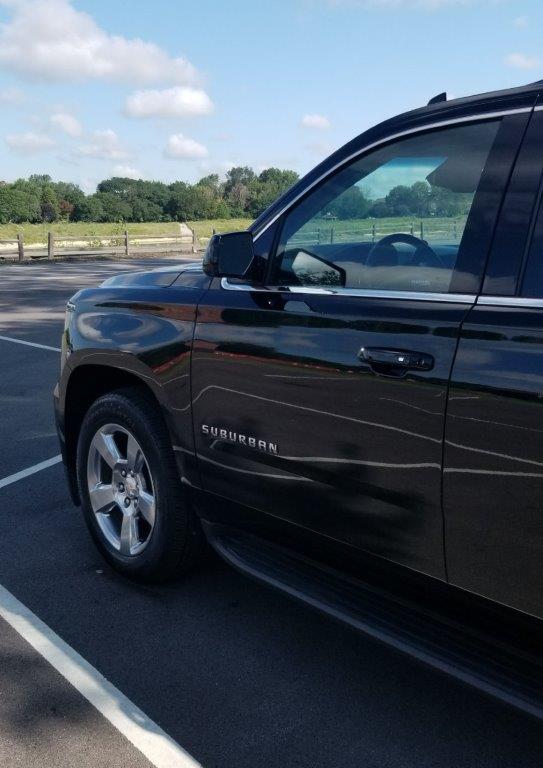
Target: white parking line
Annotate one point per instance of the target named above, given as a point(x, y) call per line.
point(161, 750)
point(30, 471)
point(29, 343)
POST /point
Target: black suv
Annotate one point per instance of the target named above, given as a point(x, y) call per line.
point(346, 401)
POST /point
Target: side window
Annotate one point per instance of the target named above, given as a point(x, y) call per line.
point(532, 282)
point(392, 220)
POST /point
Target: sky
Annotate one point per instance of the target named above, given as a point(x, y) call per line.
point(168, 89)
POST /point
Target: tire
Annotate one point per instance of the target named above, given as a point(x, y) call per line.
point(148, 530)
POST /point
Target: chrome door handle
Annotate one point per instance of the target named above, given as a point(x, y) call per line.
point(396, 360)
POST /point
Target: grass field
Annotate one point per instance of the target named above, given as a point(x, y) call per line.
point(37, 233)
point(349, 230)
point(354, 230)
point(314, 231)
point(204, 229)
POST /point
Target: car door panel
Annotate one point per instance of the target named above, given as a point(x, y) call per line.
point(304, 407)
point(289, 373)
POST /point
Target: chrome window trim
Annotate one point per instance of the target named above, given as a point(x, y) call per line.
point(361, 293)
point(510, 301)
point(384, 140)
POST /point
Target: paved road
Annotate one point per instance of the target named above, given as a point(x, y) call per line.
point(236, 674)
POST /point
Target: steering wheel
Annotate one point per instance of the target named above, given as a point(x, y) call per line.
point(384, 254)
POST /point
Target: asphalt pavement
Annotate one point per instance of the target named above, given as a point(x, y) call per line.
point(236, 674)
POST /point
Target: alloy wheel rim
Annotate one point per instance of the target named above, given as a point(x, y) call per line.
point(121, 489)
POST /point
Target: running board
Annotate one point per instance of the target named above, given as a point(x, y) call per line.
point(476, 658)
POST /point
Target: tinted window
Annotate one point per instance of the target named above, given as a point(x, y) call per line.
point(532, 283)
point(392, 220)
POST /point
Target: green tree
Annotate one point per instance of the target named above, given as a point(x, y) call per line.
point(68, 191)
point(26, 201)
point(267, 187)
point(49, 204)
point(351, 204)
point(121, 199)
point(40, 179)
point(380, 210)
point(145, 210)
point(115, 208)
point(400, 200)
point(90, 209)
point(421, 193)
point(238, 175)
point(236, 188)
point(181, 204)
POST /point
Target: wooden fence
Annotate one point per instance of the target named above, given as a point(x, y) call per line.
point(331, 233)
point(118, 244)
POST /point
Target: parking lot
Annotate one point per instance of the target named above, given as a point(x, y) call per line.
point(233, 673)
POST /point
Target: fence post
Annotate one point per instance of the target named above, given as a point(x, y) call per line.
point(373, 233)
point(20, 246)
point(412, 228)
point(455, 232)
point(422, 230)
point(194, 243)
point(126, 244)
point(331, 236)
point(318, 235)
point(50, 245)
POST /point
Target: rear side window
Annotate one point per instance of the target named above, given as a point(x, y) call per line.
point(532, 282)
point(392, 220)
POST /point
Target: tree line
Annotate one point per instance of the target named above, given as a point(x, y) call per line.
point(244, 193)
point(421, 199)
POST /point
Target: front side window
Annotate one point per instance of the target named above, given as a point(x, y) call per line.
point(392, 220)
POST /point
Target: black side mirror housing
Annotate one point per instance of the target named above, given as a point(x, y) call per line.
point(229, 255)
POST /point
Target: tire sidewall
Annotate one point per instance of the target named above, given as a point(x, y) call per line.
point(120, 410)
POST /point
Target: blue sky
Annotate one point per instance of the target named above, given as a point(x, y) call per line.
point(175, 90)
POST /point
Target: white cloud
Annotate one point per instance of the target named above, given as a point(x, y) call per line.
point(127, 172)
point(183, 148)
point(12, 97)
point(522, 61)
point(319, 122)
point(29, 143)
point(171, 102)
point(521, 22)
point(51, 40)
point(67, 123)
point(104, 145)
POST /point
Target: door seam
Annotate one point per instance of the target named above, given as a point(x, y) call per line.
point(445, 415)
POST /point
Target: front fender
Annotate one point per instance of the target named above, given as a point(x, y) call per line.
point(114, 336)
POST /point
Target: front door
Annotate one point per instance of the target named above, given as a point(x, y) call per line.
point(319, 398)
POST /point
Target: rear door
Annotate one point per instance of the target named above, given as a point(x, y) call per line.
point(493, 475)
point(320, 398)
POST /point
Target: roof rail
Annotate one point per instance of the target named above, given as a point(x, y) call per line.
point(438, 98)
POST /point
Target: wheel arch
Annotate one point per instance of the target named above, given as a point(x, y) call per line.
point(85, 385)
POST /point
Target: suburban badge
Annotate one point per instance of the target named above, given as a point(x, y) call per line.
point(230, 436)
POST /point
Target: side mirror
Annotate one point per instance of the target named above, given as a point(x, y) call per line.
point(229, 255)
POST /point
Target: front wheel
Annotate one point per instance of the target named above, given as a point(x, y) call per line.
point(133, 502)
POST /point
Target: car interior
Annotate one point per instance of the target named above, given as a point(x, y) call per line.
point(319, 249)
